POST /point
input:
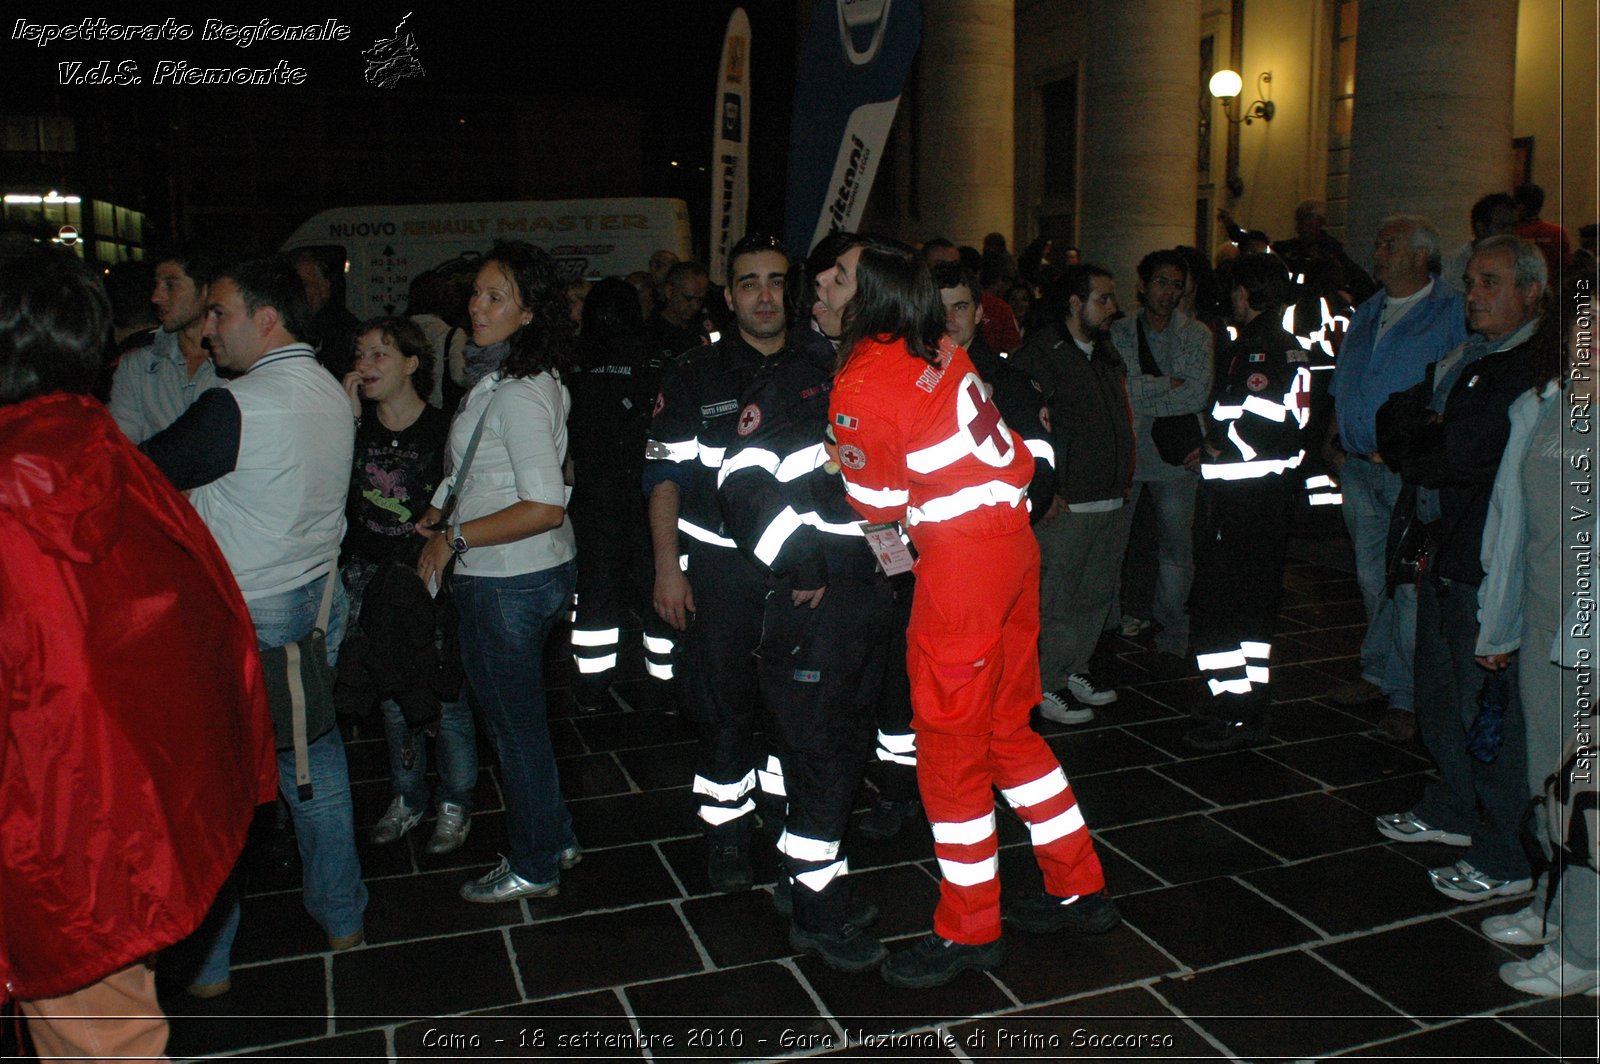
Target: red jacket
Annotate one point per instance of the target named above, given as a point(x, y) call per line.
point(135, 741)
point(926, 445)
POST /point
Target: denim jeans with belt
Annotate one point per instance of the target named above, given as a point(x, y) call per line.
point(504, 624)
point(324, 826)
point(1388, 651)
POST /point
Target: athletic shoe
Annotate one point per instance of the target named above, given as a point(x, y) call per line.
point(398, 819)
point(1525, 927)
point(450, 829)
point(503, 884)
point(935, 961)
point(1062, 708)
point(1042, 914)
point(1464, 883)
point(1408, 827)
point(1089, 691)
point(1549, 975)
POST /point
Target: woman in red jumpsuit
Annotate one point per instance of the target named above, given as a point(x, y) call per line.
point(920, 442)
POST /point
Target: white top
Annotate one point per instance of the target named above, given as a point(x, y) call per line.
point(279, 516)
point(519, 459)
point(1395, 309)
point(152, 387)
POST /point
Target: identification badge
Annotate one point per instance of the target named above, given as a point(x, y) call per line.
point(894, 557)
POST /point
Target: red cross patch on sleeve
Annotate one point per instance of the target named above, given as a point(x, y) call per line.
point(749, 419)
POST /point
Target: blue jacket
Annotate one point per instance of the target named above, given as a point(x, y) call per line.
point(1369, 370)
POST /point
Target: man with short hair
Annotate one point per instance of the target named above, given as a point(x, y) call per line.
point(331, 329)
point(265, 458)
point(1394, 337)
point(154, 384)
point(998, 323)
point(1548, 237)
point(1446, 436)
point(1168, 358)
point(1080, 535)
point(1492, 215)
point(679, 325)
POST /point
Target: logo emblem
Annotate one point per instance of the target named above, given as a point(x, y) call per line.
point(1257, 382)
point(749, 419)
point(852, 457)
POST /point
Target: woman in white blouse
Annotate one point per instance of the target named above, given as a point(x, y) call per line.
point(513, 551)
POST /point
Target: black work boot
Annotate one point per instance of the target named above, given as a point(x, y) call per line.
point(935, 961)
point(728, 865)
point(1090, 914)
point(886, 818)
point(858, 911)
point(847, 948)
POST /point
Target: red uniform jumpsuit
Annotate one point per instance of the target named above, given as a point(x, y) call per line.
point(925, 445)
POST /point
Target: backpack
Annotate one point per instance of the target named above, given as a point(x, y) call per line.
point(1572, 801)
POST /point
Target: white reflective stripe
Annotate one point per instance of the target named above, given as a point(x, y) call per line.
point(1223, 412)
point(694, 531)
point(1041, 449)
point(710, 456)
point(798, 464)
point(1319, 481)
point(750, 458)
point(949, 507)
point(589, 666)
point(802, 848)
point(1327, 500)
point(682, 451)
point(845, 528)
point(1058, 826)
point(898, 742)
point(1250, 470)
point(1226, 659)
point(1233, 687)
point(771, 783)
point(965, 832)
point(950, 449)
point(774, 765)
point(1246, 451)
point(1045, 787)
point(725, 792)
point(1257, 674)
point(717, 815)
point(683, 562)
point(656, 644)
point(658, 671)
point(777, 534)
point(1255, 650)
point(882, 498)
point(595, 637)
point(964, 874)
point(1266, 408)
point(897, 759)
point(818, 879)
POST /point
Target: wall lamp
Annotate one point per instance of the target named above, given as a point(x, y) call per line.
point(1226, 85)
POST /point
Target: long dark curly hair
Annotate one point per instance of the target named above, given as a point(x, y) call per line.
point(895, 300)
point(548, 340)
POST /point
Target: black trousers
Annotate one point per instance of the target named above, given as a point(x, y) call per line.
point(820, 672)
point(615, 577)
point(1241, 528)
point(893, 768)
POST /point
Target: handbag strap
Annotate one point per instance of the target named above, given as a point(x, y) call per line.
point(1147, 358)
point(466, 460)
point(297, 689)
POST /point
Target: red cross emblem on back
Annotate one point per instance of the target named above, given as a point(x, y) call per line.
point(986, 423)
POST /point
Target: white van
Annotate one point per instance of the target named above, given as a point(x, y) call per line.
point(385, 247)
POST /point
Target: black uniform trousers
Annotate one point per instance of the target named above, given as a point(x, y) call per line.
point(615, 577)
point(1240, 531)
point(893, 770)
point(821, 670)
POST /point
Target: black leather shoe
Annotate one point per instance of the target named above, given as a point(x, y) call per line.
point(1090, 914)
point(886, 818)
point(935, 961)
point(848, 949)
point(862, 914)
point(728, 868)
point(1219, 736)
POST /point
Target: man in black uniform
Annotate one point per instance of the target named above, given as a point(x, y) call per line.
point(823, 640)
point(709, 589)
point(679, 323)
point(1248, 466)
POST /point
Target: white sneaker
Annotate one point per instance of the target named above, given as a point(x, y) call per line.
point(1525, 927)
point(1134, 626)
point(450, 830)
point(1062, 708)
point(1085, 689)
point(398, 819)
point(1548, 975)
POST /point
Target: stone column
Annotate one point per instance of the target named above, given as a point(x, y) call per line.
point(966, 155)
point(1141, 129)
point(1432, 125)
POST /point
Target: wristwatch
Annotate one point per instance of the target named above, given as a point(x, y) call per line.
point(458, 542)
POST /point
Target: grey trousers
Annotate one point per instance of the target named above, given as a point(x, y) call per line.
point(1079, 555)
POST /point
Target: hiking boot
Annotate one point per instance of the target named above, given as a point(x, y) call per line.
point(848, 949)
point(728, 867)
point(886, 818)
point(1090, 691)
point(1061, 707)
point(935, 961)
point(862, 914)
point(398, 819)
point(450, 829)
point(1220, 736)
point(1087, 914)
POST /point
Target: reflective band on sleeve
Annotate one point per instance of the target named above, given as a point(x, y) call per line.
point(1319, 481)
point(749, 458)
point(683, 562)
point(658, 670)
point(817, 879)
point(710, 456)
point(1326, 500)
point(1249, 470)
point(949, 507)
point(898, 742)
point(1257, 674)
point(798, 464)
point(897, 759)
point(1266, 408)
point(590, 666)
point(1255, 650)
point(965, 832)
point(1227, 659)
point(1246, 451)
point(951, 449)
point(1047, 786)
point(1232, 687)
point(1227, 413)
point(682, 451)
point(882, 498)
point(725, 792)
point(777, 534)
point(963, 874)
point(717, 815)
point(1058, 826)
point(595, 637)
point(802, 848)
point(656, 644)
point(694, 531)
point(1041, 449)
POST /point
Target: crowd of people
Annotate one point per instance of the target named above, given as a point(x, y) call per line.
point(870, 509)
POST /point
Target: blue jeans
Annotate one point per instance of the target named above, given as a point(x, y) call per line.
point(456, 746)
point(1389, 648)
point(1174, 498)
point(504, 624)
point(334, 894)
